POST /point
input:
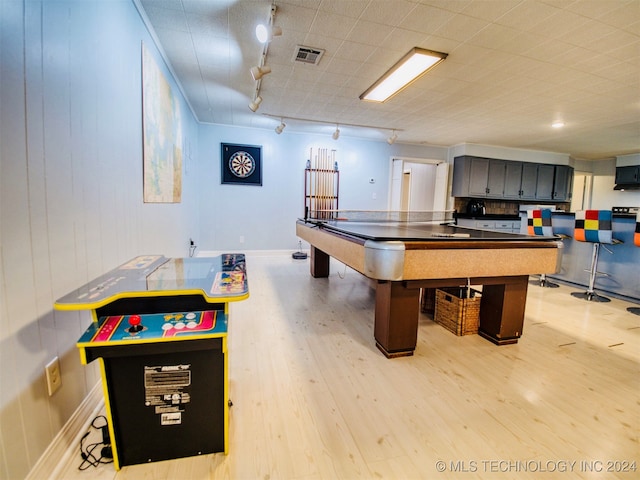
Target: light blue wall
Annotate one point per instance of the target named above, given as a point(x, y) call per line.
point(71, 194)
point(265, 216)
point(70, 197)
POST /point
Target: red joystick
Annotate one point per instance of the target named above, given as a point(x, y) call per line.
point(134, 321)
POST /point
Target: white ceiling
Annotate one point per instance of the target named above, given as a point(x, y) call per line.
point(514, 67)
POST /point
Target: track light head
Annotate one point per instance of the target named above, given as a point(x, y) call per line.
point(280, 128)
point(253, 106)
point(266, 33)
point(392, 139)
point(258, 72)
point(336, 134)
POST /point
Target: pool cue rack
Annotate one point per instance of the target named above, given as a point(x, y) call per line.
point(321, 184)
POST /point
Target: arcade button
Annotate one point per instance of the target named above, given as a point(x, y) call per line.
point(136, 326)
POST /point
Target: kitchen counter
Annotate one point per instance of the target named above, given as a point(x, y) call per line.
point(622, 264)
point(615, 215)
point(488, 216)
point(497, 222)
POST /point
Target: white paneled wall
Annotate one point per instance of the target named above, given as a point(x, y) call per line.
point(71, 197)
point(71, 193)
point(265, 216)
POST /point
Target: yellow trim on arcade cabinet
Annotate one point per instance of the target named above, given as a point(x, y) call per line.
point(83, 355)
point(226, 395)
point(107, 406)
point(151, 293)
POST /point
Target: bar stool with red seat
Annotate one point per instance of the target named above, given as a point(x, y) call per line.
point(636, 242)
point(539, 223)
point(594, 226)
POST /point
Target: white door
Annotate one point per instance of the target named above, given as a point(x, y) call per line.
point(418, 184)
point(405, 204)
point(581, 195)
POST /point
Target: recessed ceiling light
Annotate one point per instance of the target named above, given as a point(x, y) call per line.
point(557, 124)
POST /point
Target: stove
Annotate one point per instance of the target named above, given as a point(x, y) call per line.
point(630, 210)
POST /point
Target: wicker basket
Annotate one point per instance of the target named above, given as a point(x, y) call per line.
point(457, 314)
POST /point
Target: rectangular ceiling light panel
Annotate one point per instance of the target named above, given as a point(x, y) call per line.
point(411, 67)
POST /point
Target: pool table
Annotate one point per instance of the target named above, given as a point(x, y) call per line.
point(405, 257)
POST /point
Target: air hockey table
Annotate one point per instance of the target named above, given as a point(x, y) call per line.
point(159, 333)
point(405, 257)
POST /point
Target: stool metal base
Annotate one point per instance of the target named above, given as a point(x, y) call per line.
point(634, 310)
point(543, 281)
point(546, 283)
point(590, 297)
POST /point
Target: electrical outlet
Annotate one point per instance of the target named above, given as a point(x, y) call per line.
point(241, 238)
point(54, 379)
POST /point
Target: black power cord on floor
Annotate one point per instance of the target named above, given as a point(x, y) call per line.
point(103, 447)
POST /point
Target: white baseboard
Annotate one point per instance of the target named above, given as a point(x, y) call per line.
point(248, 253)
point(59, 451)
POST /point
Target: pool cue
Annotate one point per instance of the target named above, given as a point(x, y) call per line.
point(320, 190)
point(315, 185)
point(310, 180)
point(324, 181)
point(333, 178)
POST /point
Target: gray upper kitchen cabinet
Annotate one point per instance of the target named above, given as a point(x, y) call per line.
point(544, 185)
point(529, 181)
point(510, 180)
point(562, 183)
point(513, 180)
point(628, 175)
point(479, 176)
point(470, 176)
point(496, 180)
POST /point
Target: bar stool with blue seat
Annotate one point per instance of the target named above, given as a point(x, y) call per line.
point(539, 223)
point(636, 242)
point(594, 226)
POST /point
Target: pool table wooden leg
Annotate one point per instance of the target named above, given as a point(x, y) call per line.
point(396, 318)
point(319, 263)
point(502, 310)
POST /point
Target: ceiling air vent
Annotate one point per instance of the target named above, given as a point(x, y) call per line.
point(309, 55)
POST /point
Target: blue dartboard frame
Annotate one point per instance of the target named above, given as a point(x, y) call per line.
point(244, 176)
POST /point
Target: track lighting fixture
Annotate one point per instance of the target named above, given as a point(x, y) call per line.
point(265, 33)
point(258, 72)
point(336, 134)
point(253, 106)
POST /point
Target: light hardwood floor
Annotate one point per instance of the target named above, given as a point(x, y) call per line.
point(314, 399)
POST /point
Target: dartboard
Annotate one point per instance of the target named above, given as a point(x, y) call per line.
point(242, 164)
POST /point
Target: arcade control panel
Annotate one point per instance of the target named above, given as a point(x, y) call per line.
point(154, 327)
